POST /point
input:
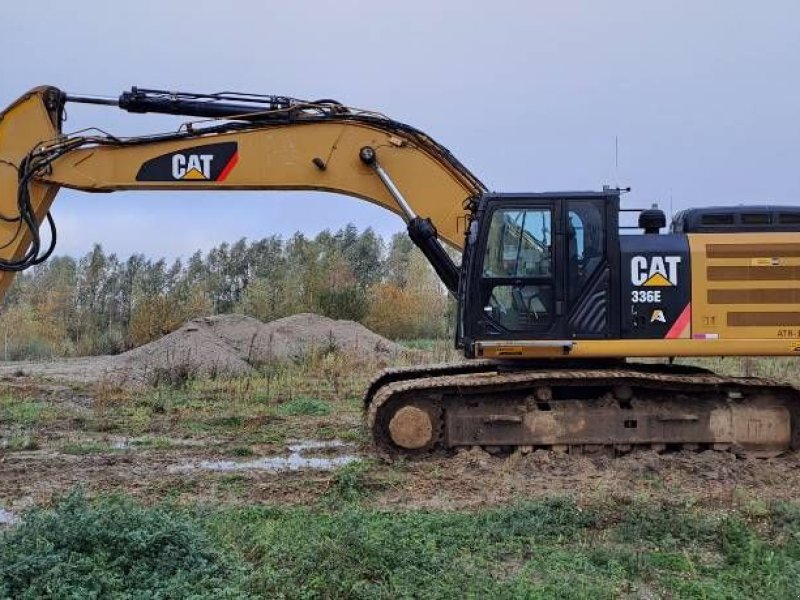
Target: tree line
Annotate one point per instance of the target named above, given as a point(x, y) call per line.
point(103, 304)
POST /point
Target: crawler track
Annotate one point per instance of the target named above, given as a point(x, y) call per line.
point(444, 407)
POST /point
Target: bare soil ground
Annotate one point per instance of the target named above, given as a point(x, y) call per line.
point(469, 480)
point(60, 428)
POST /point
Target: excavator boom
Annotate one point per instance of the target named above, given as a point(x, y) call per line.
point(245, 143)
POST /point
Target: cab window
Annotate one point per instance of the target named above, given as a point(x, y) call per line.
point(586, 238)
point(517, 269)
point(519, 244)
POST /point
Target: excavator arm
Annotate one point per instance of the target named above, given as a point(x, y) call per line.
point(243, 143)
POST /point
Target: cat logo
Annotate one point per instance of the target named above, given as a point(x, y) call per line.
point(658, 315)
point(212, 162)
point(655, 271)
point(193, 166)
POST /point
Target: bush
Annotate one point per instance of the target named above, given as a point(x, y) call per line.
point(112, 548)
point(349, 303)
point(403, 313)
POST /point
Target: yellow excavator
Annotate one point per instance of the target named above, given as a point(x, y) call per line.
point(554, 297)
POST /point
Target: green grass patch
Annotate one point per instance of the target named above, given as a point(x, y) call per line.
point(153, 443)
point(164, 399)
point(350, 482)
point(544, 549)
point(25, 412)
point(226, 422)
point(235, 483)
point(655, 525)
point(361, 553)
point(302, 407)
point(113, 548)
point(241, 451)
point(554, 548)
point(358, 435)
point(242, 407)
point(420, 344)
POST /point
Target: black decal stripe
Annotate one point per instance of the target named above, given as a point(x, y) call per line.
point(160, 167)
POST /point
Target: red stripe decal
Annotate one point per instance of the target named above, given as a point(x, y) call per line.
point(680, 327)
point(229, 167)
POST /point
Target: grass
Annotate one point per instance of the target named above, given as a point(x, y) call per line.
point(25, 412)
point(241, 451)
point(113, 548)
point(553, 548)
point(281, 401)
point(545, 549)
point(152, 443)
point(778, 368)
point(20, 442)
point(304, 407)
point(342, 546)
point(350, 483)
point(440, 350)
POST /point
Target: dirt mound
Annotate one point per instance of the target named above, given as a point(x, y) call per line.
point(292, 337)
point(235, 344)
point(295, 337)
point(191, 351)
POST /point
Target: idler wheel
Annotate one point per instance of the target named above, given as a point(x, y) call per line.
point(411, 428)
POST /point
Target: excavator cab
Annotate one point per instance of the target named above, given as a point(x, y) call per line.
point(541, 267)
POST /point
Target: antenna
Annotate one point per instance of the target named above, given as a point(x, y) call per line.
point(616, 159)
point(671, 212)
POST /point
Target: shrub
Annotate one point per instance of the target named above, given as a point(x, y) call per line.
point(349, 303)
point(112, 548)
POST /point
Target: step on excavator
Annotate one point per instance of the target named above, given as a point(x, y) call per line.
point(555, 299)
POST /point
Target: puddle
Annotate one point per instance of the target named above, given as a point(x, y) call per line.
point(147, 442)
point(276, 464)
point(296, 461)
point(7, 517)
point(300, 447)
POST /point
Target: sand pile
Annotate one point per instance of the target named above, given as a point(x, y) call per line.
point(190, 351)
point(236, 344)
point(293, 337)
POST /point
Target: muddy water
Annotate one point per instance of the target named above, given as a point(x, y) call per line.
point(305, 445)
point(144, 442)
point(295, 461)
point(7, 517)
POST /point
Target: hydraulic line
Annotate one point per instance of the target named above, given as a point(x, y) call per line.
point(235, 112)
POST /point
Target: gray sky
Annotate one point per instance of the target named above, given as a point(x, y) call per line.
point(704, 97)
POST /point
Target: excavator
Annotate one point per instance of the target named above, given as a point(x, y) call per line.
point(556, 300)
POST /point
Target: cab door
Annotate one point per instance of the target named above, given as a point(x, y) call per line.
point(590, 248)
point(520, 285)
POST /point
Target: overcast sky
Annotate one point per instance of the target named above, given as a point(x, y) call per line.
point(704, 97)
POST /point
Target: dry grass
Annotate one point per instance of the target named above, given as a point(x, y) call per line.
point(784, 368)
